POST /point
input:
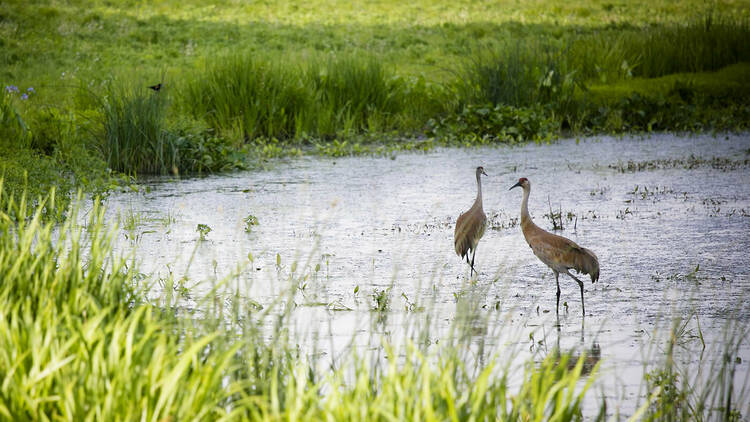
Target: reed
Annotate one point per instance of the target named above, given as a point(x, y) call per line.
point(134, 137)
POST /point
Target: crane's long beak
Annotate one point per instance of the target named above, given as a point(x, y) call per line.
point(485, 173)
point(515, 186)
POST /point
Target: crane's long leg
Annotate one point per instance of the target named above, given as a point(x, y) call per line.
point(557, 280)
point(580, 284)
point(473, 254)
point(471, 265)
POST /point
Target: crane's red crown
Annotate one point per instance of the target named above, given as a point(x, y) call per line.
point(523, 179)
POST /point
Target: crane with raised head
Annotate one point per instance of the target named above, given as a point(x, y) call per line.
point(557, 252)
point(470, 226)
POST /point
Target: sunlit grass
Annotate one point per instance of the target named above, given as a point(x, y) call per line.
point(287, 77)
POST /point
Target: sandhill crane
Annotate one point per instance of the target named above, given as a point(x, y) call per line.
point(557, 252)
point(470, 226)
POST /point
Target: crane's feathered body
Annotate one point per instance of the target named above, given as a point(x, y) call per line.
point(557, 252)
point(470, 226)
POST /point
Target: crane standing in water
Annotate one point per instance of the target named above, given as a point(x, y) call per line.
point(557, 252)
point(470, 226)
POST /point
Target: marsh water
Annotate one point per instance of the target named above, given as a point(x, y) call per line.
point(668, 217)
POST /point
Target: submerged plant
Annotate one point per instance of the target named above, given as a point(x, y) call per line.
point(203, 230)
point(250, 221)
point(381, 299)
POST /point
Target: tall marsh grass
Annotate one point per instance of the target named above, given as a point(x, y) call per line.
point(138, 138)
point(135, 136)
point(520, 74)
point(353, 94)
point(248, 97)
point(699, 46)
point(698, 392)
point(13, 128)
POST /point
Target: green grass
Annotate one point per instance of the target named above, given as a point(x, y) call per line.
point(249, 98)
point(244, 81)
point(415, 37)
point(705, 392)
point(557, 73)
point(135, 138)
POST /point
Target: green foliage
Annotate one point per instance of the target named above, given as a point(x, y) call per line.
point(477, 124)
point(439, 389)
point(41, 148)
point(638, 112)
point(352, 94)
point(701, 45)
point(306, 82)
point(13, 129)
point(250, 221)
point(672, 400)
point(549, 391)
point(698, 45)
point(203, 230)
point(201, 151)
point(25, 172)
point(48, 275)
point(381, 299)
point(76, 339)
point(704, 393)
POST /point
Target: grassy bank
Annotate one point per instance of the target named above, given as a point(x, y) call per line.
point(79, 339)
point(247, 81)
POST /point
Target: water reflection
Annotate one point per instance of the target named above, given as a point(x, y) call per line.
point(591, 355)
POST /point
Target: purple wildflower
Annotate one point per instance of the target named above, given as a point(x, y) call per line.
point(31, 90)
point(10, 89)
point(24, 97)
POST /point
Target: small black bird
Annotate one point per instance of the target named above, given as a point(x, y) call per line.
point(156, 87)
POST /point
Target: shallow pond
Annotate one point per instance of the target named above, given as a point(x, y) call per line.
point(668, 217)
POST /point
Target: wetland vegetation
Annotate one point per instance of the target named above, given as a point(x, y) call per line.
point(247, 81)
point(89, 332)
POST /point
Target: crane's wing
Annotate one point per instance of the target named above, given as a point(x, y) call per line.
point(562, 254)
point(586, 262)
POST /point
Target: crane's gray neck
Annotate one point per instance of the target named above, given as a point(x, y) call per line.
point(479, 189)
point(525, 217)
